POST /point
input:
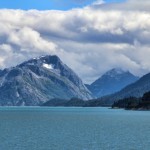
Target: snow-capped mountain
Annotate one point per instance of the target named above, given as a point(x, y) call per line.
point(111, 82)
point(39, 80)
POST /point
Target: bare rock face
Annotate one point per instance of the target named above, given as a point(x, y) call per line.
point(38, 80)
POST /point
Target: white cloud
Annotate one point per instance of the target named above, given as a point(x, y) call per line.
point(30, 41)
point(90, 40)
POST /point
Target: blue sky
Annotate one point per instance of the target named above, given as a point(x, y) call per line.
point(47, 4)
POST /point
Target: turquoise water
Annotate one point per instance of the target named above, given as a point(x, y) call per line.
point(35, 128)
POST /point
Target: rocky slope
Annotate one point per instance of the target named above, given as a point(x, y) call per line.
point(39, 80)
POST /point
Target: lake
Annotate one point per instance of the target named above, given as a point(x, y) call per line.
point(60, 128)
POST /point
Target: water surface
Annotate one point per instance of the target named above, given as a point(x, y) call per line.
point(60, 128)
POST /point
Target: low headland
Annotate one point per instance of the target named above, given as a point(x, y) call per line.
point(133, 103)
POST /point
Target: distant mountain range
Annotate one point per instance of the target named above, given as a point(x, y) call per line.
point(131, 93)
point(136, 89)
point(111, 82)
point(39, 80)
point(47, 81)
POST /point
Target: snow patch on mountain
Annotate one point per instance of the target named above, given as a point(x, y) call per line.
point(48, 66)
point(51, 68)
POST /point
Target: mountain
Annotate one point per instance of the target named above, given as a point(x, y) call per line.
point(111, 82)
point(38, 80)
point(136, 90)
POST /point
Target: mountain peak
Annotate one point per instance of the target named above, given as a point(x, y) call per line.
point(50, 59)
point(38, 80)
point(111, 82)
point(115, 71)
point(47, 59)
point(136, 89)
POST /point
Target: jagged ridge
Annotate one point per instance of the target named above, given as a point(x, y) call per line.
point(39, 80)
